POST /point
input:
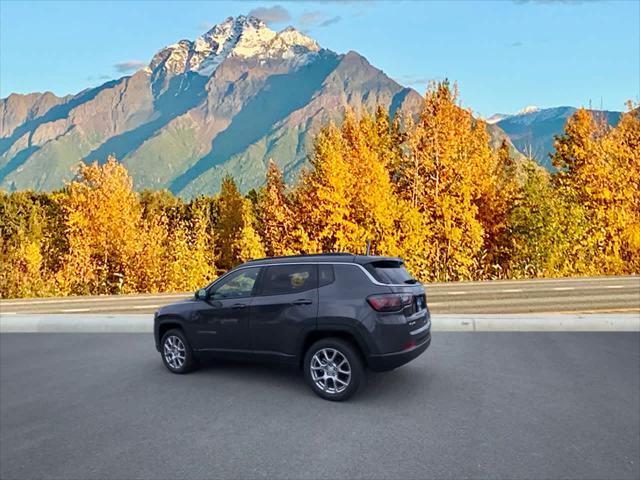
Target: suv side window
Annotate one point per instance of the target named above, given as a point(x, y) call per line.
point(325, 275)
point(284, 279)
point(238, 284)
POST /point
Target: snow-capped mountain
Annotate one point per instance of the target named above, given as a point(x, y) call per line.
point(223, 103)
point(497, 117)
point(245, 37)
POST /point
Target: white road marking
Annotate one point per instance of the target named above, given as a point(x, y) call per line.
point(541, 281)
point(438, 292)
point(533, 288)
point(602, 310)
point(106, 298)
point(97, 309)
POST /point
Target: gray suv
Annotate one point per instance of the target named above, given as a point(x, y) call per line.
point(333, 315)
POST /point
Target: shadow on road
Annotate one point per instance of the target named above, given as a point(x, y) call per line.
point(273, 380)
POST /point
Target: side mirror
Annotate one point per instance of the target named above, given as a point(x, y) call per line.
point(201, 294)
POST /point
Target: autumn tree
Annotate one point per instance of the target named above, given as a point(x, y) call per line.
point(152, 259)
point(281, 231)
point(21, 244)
point(446, 175)
point(347, 197)
point(190, 256)
point(102, 217)
point(623, 145)
point(544, 230)
point(598, 169)
point(322, 197)
point(387, 138)
point(237, 240)
point(429, 190)
point(495, 200)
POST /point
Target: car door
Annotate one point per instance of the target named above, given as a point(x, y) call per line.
point(285, 306)
point(222, 320)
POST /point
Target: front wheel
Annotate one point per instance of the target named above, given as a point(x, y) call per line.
point(177, 355)
point(333, 369)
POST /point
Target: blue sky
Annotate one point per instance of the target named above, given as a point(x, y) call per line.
point(504, 54)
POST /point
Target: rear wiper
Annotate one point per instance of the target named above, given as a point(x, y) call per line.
point(411, 281)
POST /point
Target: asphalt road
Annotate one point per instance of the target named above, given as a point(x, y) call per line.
point(580, 295)
point(475, 405)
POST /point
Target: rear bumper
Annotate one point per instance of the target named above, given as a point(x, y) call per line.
point(389, 361)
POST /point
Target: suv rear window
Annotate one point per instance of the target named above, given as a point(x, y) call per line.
point(389, 272)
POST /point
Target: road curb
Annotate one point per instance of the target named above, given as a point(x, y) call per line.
point(541, 322)
point(76, 323)
point(143, 323)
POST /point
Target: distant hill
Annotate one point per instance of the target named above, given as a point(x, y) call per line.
point(224, 103)
point(532, 130)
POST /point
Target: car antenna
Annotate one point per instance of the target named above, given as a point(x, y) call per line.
point(368, 248)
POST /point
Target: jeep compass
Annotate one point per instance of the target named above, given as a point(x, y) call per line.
point(333, 315)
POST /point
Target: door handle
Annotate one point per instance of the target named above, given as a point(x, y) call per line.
point(238, 305)
point(302, 301)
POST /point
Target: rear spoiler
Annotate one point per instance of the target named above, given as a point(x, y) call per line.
point(364, 259)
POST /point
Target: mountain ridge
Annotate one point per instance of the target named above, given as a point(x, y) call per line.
point(532, 131)
point(224, 103)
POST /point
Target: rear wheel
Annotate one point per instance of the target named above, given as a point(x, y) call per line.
point(333, 369)
point(176, 352)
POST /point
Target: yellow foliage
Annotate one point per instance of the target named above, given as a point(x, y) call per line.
point(446, 174)
point(113, 249)
point(348, 197)
point(102, 217)
point(430, 191)
point(600, 169)
point(237, 240)
point(279, 227)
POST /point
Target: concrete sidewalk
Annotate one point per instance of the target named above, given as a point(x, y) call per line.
point(112, 323)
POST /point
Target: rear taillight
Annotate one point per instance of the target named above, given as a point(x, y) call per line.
point(409, 345)
point(390, 302)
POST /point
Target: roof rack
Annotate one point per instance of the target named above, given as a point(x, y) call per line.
point(325, 254)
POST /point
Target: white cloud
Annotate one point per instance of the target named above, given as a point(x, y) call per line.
point(317, 19)
point(129, 66)
point(413, 80)
point(275, 14)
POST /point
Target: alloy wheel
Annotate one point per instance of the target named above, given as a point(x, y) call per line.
point(330, 370)
point(175, 352)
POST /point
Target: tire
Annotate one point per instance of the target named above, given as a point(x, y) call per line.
point(325, 369)
point(176, 352)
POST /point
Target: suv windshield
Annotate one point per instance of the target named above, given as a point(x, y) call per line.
point(390, 272)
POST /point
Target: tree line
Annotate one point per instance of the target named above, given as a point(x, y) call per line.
point(430, 190)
